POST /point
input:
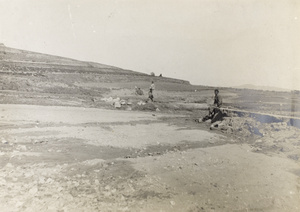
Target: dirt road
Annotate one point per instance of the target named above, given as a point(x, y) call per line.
point(77, 159)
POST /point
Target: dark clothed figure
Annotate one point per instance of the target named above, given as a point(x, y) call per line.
point(215, 113)
point(218, 99)
point(151, 90)
point(151, 94)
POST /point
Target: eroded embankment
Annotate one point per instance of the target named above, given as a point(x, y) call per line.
point(266, 133)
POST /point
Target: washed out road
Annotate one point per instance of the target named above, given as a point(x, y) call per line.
point(85, 159)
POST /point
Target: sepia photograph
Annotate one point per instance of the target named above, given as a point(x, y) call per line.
point(145, 106)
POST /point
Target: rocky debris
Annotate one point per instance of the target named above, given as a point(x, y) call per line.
point(245, 126)
point(88, 186)
point(21, 148)
point(224, 125)
point(248, 126)
point(110, 99)
point(128, 108)
point(117, 102)
point(277, 137)
point(3, 141)
point(141, 103)
point(92, 162)
point(123, 102)
point(142, 106)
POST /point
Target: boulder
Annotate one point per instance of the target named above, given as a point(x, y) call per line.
point(117, 105)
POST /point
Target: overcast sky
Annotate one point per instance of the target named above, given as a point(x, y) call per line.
point(208, 42)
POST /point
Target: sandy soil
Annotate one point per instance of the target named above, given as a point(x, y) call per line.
point(84, 159)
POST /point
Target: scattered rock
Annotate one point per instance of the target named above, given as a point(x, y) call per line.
point(41, 180)
point(2, 182)
point(60, 189)
point(4, 141)
point(117, 105)
point(141, 103)
point(257, 149)
point(33, 190)
point(19, 204)
point(128, 108)
point(123, 102)
point(49, 181)
point(21, 148)
point(9, 165)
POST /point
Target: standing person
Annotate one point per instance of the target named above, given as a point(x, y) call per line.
point(150, 93)
point(214, 111)
point(217, 99)
point(152, 86)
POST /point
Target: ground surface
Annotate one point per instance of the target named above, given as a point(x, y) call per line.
point(65, 147)
point(80, 159)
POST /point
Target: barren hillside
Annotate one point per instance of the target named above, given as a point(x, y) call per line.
point(33, 78)
point(27, 77)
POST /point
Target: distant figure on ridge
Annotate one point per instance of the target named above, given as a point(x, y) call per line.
point(152, 86)
point(150, 93)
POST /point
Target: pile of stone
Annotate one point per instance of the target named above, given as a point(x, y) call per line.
point(128, 105)
point(141, 103)
point(247, 126)
point(117, 102)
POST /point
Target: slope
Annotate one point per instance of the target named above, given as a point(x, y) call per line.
point(16, 60)
point(33, 78)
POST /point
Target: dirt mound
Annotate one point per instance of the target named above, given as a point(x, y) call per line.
point(273, 137)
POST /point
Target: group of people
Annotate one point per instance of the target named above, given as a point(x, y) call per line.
point(215, 113)
point(138, 91)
